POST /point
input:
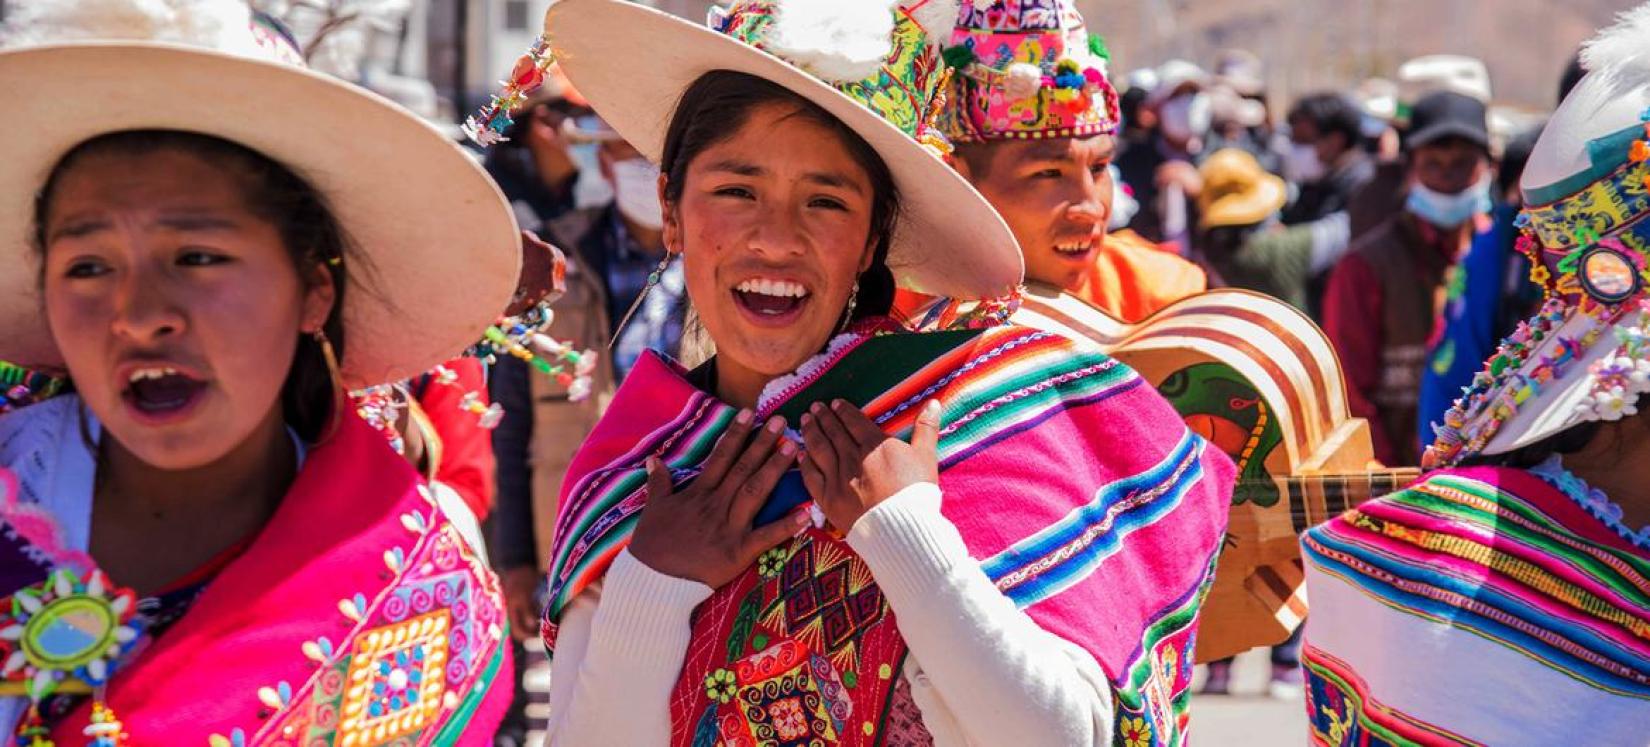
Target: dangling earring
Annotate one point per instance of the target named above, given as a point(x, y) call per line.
point(653, 279)
point(340, 399)
point(848, 315)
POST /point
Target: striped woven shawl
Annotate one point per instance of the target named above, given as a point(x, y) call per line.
point(1480, 606)
point(1083, 494)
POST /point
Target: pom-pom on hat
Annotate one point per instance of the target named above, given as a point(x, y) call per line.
point(1026, 69)
point(873, 64)
point(1586, 355)
point(440, 239)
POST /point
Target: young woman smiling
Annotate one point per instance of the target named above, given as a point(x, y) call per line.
point(831, 532)
point(204, 543)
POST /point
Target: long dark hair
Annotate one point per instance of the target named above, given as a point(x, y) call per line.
point(716, 105)
point(307, 226)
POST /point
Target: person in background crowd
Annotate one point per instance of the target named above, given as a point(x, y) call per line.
point(624, 246)
point(1384, 296)
point(536, 166)
point(1161, 171)
point(1241, 114)
point(1486, 294)
point(1326, 160)
point(1051, 178)
point(1139, 124)
point(1378, 100)
point(1244, 239)
point(1239, 122)
point(1383, 196)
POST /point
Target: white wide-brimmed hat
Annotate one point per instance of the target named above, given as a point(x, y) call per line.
point(1586, 355)
point(439, 239)
point(873, 64)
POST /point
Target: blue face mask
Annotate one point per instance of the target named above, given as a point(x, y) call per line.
point(1449, 211)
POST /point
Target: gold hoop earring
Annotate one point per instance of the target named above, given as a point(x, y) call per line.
point(848, 314)
point(340, 399)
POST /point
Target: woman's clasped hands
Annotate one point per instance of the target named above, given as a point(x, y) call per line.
point(706, 531)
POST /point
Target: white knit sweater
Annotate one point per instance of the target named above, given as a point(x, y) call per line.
point(980, 670)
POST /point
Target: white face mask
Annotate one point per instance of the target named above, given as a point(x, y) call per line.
point(1185, 117)
point(591, 189)
point(1449, 211)
point(1301, 164)
point(636, 192)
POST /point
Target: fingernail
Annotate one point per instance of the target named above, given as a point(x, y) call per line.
point(837, 404)
point(776, 424)
point(787, 447)
point(807, 420)
point(745, 417)
point(801, 518)
point(932, 408)
point(815, 407)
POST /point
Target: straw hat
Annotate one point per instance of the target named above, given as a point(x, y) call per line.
point(440, 239)
point(1586, 355)
point(873, 64)
point(1237, 191)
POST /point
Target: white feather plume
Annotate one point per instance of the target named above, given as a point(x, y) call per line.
point(1622, 50)
point(1022, 80)
point(218, 24)
point(838, 40)
point(938, 18)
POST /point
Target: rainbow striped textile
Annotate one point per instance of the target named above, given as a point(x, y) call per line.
point(1087, 500)
point(1480, 606)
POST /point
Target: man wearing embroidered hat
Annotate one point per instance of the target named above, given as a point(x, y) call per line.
point(1034, 118)
point(832, 531)
point(204, 543)
point(1517, 574)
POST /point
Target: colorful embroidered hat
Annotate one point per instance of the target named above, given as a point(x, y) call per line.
point(1027, 69)
point(440, 239)
point(1586, 355)
point(873, 64)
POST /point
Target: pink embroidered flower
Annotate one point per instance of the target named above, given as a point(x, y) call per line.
point(789, 722)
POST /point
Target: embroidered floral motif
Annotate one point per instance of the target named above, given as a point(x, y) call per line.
point(783, 694)
point(1134, 732)
point(771, 562)
point(720, 686)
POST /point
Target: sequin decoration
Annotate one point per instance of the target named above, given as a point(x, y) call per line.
point(487, 126)
point(396, 680)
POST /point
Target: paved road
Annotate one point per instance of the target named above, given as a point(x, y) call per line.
point(1247, 718)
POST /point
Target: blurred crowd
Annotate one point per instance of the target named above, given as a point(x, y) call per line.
point(1384, 212)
